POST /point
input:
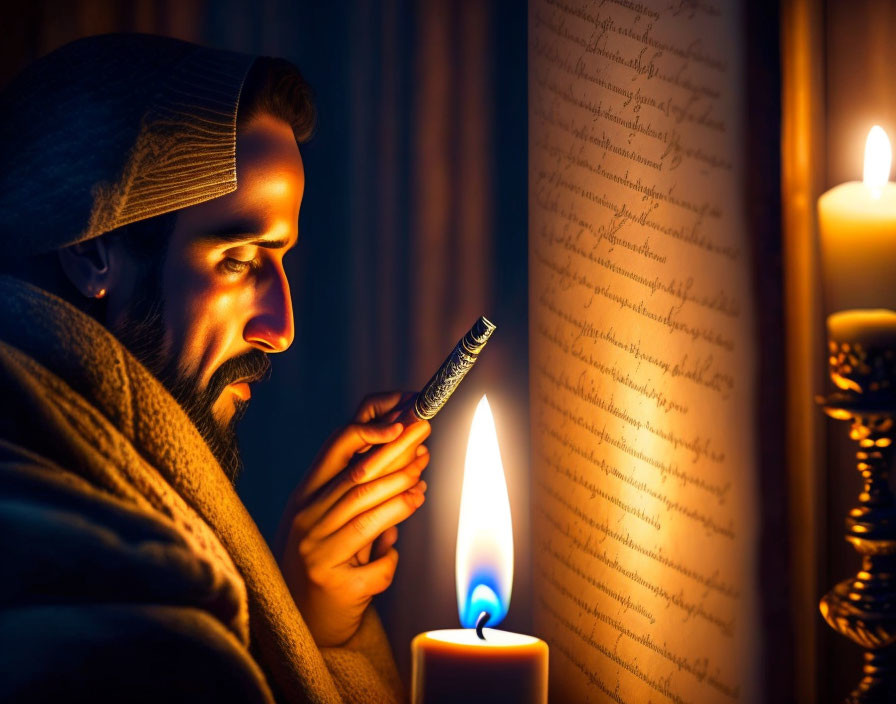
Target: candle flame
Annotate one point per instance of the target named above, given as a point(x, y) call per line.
point(484, 561)
point(878, 156)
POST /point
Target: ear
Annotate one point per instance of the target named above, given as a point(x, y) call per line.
point(86, 265)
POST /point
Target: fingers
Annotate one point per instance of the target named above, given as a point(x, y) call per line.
point(386, 458)
point(376, 576)
point(342, 446)
point(363, 555)
point(399, 455)
point(409, 455)
point(363, 528)
point(377, 405)
point(366, 495)
point(403, 409)
point(378, 547)
point(386, 540)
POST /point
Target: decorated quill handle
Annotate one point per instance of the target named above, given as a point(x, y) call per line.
point(443, 383)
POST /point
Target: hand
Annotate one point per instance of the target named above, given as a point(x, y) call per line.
point(339, 528)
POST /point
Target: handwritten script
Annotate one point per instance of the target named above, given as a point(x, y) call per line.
point(641, 352)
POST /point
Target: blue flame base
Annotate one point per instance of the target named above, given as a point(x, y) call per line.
point(482, 597)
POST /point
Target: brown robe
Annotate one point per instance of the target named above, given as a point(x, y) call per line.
point(129, 568)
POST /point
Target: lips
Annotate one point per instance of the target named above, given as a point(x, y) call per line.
point(241, 390)
point(237, 373)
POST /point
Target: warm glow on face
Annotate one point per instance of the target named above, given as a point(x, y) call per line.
point(878, 157)
point(484, 566)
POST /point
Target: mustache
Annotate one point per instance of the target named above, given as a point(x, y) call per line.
point(251, 366)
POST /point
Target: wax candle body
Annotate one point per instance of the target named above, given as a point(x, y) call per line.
point(457, 666)
point(858, 246)
point(869, 328)
point(862, 350)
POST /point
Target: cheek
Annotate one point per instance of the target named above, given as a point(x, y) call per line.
point(205, 316)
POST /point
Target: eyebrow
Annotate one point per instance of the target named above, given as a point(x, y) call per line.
point(242, 233)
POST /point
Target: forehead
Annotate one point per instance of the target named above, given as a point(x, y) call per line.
point(266, 151)
point(270, 182)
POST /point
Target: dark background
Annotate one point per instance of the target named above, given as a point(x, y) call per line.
point(413, 224)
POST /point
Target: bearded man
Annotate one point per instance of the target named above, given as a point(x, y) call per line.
point(149, 189)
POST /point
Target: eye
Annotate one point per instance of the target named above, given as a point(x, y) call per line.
point(239, 260)
point(230, 265)
point(235, 266)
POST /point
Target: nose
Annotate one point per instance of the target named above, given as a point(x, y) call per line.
point(271, 328)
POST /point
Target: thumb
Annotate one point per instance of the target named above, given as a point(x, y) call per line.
point(376, 576)
point(375, 406)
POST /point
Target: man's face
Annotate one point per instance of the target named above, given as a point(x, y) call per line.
point(225, 301)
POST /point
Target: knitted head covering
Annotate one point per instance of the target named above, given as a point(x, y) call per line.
point(112, 129)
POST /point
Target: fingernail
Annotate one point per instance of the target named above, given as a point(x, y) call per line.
point(421, 450)
point(397, 427)
point(421, 487)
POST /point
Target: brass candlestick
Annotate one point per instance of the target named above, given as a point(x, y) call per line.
point(863, 607)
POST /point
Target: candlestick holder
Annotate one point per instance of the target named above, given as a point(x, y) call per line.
point(863, 607)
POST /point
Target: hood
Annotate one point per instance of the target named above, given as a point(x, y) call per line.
point(112, 129)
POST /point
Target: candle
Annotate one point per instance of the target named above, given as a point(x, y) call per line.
point(862, 346)
point(857, 222)
point(457, 666)
point(475, 663)
point(864, 327)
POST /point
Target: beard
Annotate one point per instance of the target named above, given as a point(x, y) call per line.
point(143, 333)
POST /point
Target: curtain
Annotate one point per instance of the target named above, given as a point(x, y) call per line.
point(437, 241)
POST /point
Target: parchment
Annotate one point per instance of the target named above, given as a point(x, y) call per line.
point(642, 362)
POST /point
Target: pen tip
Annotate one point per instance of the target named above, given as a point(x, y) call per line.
point(483, 329)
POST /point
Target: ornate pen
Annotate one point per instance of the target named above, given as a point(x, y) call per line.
point(443, 383)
